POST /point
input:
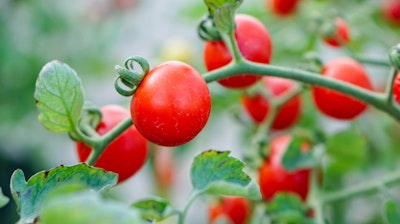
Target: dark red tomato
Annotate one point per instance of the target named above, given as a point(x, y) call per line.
point(126, 154)
point(391, 11)
point(274, 178)
point(396, 88)
point(234, 209)
point(258, 106)
point(341, 36)
point(171, 105)
point(283, 7)
point(335, 104)
point(254, 43)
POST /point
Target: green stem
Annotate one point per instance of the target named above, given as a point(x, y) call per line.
point(365, 188)
point(182, 214)
point(390, 86)
point(231, 43)
point(106, 139)
point(372, 61)
point(372, 98)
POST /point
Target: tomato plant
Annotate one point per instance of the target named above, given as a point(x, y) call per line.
point(283, 7)
point(235, 209)
point(171, 105)
point(335, 104)
point(258, 106)
point(274, 178)
point(254, 42)
point(338, 35)
point(126, 154)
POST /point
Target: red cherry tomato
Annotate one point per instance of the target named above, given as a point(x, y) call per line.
point(171, 105)
point(391, 11)
point(254, 43)
point(396, 88)
point(234, 209)
point(126, 154)
point(274, 178)
point(283, 7)
point(341, 35)
point(163, 167)
point(258, 106)
point(335, 104)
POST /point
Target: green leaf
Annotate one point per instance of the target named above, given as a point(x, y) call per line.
point(294, 158)
point(86, 207)
point(392, 212)
point(3, 199)
point(223, 13)
point(29, 195)
point(154, 209)
point(59, 97)
point(214, 172)
point(287, 208)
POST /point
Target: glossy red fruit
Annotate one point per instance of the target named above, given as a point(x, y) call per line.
point(171, 105)
point(391, 11)
point(258, 106)
point(396, 88)
point(335, 104)
point(234, 209)
point(283, 7)
point(254, 43)
point(274, 178)
point(340, 36)
point(126, 154)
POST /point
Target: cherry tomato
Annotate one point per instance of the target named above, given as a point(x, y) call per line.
point(126, 154)
point(163, 167)
point(254, 43)
point(274, 178)
point(391, 11)
point(234, 209)
point(335, 104)
point(340, 36)
point(283, 7)
point(171, 105)
point(258, 106)
point(396, 88)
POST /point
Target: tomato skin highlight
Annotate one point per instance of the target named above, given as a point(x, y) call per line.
point(171, 105)
point(335, 104)
point(283, 7)
point(258, 106)
point(254, 43)
point(234, 209)
point(126, 154)
point(341, 35)
point(274, 178)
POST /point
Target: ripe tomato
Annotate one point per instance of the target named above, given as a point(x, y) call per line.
point(391, 11)
point(234, 209)
point(126, 154)
point(258, 106)
point(283, 7)
point(396, 88)
point(336, 104)
point(274, 178)
point(171, 105)
point(163, 168)
point(341, 35)
point(254, 43)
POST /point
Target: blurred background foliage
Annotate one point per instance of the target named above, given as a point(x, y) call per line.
point(93, 36)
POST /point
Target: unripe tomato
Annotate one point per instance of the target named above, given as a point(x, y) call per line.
point(126, 154)
point(274, 178)
point(283, 7)
point(391, 11)
point(234, 209)
point(254, 43)
point(335, 104)
point(258, 106)
point(171, 105)
point(340, 36)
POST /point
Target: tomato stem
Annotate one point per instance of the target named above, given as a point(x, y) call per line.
point(378, 100)
point(390, 86)
point(193, 195)
point(102, 142)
